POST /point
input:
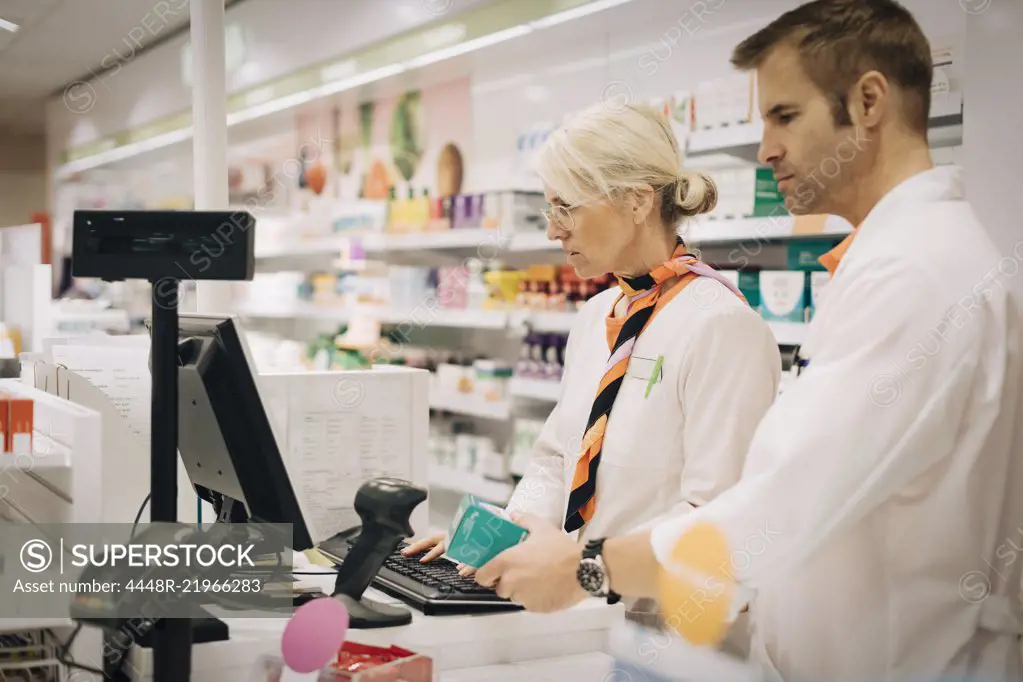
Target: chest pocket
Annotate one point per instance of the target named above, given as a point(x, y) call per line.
point(646, 417)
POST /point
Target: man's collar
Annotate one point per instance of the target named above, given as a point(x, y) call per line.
point(832, 258)
point(943, 182)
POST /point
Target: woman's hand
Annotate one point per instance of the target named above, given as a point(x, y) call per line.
point(434, 547)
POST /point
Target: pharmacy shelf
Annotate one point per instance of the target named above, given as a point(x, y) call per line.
point(532, 241)
point(709, 231)
point(742, 140)
point(544, 321)
point(735, 140)
point(470, 483)
point(109, 319)
point(298, 310)
point(483, 243)
point(471, 406)
point(427, 316)
point(419, 316)
point(546, 390)
point(438, 240)
point(787, 333)
point(320, 246)
point(488, 244)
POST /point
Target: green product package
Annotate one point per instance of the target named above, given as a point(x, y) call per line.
point(749, 285)
point(768, 200)
point(804, 254)
point(480, 531)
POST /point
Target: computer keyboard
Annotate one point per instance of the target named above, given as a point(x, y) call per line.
point(435, 588)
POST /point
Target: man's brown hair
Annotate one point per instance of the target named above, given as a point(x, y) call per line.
point(840, 40)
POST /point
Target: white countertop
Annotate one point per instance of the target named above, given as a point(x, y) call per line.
point(494, 647)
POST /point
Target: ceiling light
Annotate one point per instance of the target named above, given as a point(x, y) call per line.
point(258, 109)
point(576, 13)
point(9, 26)
point(468, 46)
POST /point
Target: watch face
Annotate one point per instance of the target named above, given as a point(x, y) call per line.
point(591, 576)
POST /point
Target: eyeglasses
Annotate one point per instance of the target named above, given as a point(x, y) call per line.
point(560, 215)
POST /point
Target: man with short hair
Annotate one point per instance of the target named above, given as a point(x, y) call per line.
point(874, 532)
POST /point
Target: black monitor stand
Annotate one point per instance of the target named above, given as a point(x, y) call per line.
point(172, 637)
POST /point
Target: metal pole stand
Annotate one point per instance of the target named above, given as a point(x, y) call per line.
point(172, 637)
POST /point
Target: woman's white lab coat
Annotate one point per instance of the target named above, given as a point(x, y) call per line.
point(675, 446)
point(672, 448)
point(877, 523)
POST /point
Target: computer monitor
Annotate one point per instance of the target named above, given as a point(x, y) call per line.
point(224, 435)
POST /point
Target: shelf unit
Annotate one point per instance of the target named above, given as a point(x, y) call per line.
point(471, 406)
point(741, 142)
point(545, 390)
point(319, 246)
point(467, 483)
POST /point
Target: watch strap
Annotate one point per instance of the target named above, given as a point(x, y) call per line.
point(594, 548)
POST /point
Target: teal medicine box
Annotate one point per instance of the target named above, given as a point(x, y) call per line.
point(480, 531)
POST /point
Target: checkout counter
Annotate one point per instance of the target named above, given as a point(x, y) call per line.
point(232, 457)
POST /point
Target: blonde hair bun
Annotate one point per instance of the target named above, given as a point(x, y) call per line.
point(695, 194)
point(604, 152)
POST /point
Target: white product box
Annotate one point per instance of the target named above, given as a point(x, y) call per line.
point(745, 191)
point(783, 295)
point(708, 109)
point(740, 90)
point(818, 281)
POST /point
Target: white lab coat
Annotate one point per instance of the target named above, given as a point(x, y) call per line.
point(678, 447)
point(880, 495)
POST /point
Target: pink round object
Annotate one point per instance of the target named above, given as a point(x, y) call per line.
point(314, 634)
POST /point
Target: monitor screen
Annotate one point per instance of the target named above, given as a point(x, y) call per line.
point(224, 434)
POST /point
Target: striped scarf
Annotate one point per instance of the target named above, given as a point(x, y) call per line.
point(643, 293)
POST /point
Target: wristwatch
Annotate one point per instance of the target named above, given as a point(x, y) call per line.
point(592, 574)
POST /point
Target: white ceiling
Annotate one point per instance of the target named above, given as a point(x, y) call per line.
point(63, 40)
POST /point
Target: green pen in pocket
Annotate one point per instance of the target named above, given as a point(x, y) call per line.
point(655, 376)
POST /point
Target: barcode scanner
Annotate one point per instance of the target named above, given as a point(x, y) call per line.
point(385, 506)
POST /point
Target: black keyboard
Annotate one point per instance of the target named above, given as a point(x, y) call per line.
point(435, 588)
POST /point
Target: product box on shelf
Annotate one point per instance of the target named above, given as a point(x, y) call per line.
point(748, 283)
point(818, 282)
point(724, 101)
point(525, 433)
point(768, 200)
point(452, 287)
point(480, 531)
point(491, 380)
point(522, 212)
point(542, 356)
point(805, 254)
point(359, 216)
point(678, 109)
point(783, 295)
point(452, 379)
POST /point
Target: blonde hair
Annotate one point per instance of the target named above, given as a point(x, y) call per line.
point(602, 154)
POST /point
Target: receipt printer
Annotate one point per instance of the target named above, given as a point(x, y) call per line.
point(480, 531)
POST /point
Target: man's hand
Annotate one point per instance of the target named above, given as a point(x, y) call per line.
point(540, 573)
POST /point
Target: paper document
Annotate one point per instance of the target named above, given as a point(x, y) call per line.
point(121, 373)
point(333, 448)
